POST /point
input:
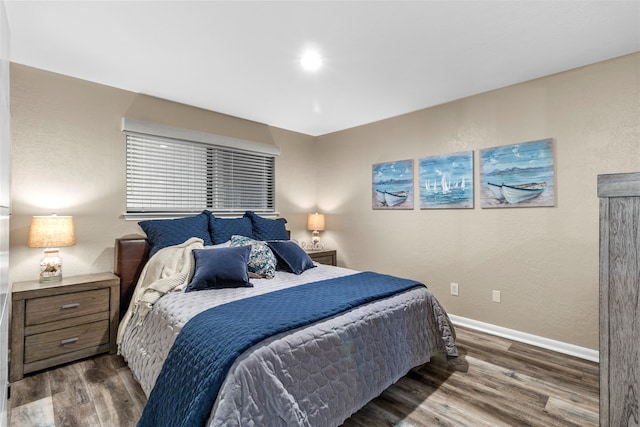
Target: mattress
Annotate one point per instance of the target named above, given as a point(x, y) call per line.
point(312, 376)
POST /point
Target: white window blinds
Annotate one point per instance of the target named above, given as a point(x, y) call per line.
point(168, 175)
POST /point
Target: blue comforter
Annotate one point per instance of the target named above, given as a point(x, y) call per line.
point(209, 343)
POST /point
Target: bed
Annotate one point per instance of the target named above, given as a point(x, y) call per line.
point(316, 373)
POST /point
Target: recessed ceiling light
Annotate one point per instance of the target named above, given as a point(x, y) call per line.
point(311, 60)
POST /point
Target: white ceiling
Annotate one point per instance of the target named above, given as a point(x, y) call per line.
point(381, 58)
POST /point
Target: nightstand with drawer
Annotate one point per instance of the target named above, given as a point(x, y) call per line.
point(55, 323)
point(328, 257)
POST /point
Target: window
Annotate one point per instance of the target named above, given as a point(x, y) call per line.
point(173, 172)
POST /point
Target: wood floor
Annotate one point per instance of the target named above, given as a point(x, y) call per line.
point(505, 384)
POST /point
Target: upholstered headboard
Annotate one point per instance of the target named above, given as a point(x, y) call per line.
point(131, 254)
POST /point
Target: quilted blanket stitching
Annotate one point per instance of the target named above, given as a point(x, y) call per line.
point(186, 361)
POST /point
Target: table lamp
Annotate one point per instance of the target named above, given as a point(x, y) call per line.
point(51, 232)
point(315, 223)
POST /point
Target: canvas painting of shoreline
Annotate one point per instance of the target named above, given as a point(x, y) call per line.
point(446, 182)
point(517, 175)
point(393, 185)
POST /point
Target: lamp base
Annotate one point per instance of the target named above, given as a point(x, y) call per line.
point(313, 246)
point(50, 279)
point(51, 267)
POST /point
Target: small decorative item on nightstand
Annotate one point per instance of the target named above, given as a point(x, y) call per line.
point(51, 233)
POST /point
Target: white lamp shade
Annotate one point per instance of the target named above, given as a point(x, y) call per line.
point(315, 222)
point(51, 232)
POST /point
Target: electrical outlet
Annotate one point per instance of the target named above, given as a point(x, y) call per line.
point(496, 296)
point(454, 289)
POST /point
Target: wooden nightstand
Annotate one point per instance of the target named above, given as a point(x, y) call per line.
point(55, 323)
point(328, 257)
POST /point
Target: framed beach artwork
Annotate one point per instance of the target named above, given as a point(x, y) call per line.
point(446, 182)
point(393, 185)
point(518, 175)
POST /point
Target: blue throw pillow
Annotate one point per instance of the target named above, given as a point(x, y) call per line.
point(261, 260)
point(223, 228)
point(291, 257)
point(168, 232)
point(220, 268)
point(267, 229)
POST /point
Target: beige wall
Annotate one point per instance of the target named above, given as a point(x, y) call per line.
point(68, 157)
point(543, 260)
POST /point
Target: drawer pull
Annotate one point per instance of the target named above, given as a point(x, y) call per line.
point(69, 341)
point(73, 305)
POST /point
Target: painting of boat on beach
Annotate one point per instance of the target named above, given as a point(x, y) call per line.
point(393, 185)
point(446, 182)
point(517, 175)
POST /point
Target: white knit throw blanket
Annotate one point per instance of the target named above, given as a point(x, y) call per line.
point(169, 269)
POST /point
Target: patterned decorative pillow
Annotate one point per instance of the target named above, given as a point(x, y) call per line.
point(267, 229)
point(261, 260)
point(168, 232)
point(220, 268)
point(223, 228)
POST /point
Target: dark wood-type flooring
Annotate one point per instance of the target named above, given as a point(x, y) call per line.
point(505, 384)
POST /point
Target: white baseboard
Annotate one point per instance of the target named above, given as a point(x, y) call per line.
point(549, 344)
